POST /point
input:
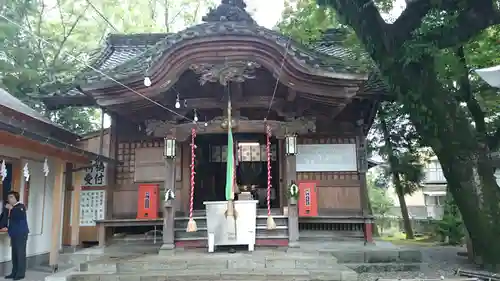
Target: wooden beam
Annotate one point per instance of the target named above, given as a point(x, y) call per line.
point(57, 191)
point(23, 143)
point(75, 208)
point(215, 126)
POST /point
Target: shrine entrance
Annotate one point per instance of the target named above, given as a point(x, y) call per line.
point(251, 168)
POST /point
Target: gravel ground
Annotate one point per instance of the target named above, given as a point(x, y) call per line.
point(438, 261)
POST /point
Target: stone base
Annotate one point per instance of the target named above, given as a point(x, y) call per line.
point(293, 244)
point(166, 249)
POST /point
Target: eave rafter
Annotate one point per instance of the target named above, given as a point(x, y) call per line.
point(283, 107)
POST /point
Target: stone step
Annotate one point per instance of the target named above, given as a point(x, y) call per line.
point(202, 213)
point(274, 212)
point(213, 275)
point(261, 231)
point(200, 233)
point(181, 222)
point(384, 267)
point(278, 219)
point(281, 231)
point(376, 256)
point(216, 261)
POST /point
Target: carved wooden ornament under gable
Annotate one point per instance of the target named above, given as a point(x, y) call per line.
point(230, 71)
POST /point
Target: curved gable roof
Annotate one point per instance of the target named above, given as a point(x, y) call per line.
point(134, 55)
point(317, 62)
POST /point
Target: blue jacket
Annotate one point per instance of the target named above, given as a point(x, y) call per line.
point(18, 222)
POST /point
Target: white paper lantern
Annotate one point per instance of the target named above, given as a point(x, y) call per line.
point(26, 172)
point(46, 168)
point(3, 170)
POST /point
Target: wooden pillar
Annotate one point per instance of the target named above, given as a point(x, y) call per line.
point(56, 213)
point(111, 167)
point(169, 206)
point(75, 209)
point(293, 211)
point(363, 190)
point(282, 184)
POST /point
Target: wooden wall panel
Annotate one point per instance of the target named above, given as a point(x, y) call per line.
point(149, 164)
point(125, 195)
point(343, 198)
point(125, 203)
point(337, 191)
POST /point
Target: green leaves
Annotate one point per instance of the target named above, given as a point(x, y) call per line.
point(305, 22)
point(75, 29)
point(381, 203)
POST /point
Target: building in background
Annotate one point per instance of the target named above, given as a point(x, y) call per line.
point(37, 159)
point(427, 202)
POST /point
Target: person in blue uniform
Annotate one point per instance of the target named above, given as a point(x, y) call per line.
point(18, 231)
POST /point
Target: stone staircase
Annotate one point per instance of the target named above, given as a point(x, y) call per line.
point(267, 264)
point(264, 237)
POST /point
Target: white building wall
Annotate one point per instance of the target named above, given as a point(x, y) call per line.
point(40, 204)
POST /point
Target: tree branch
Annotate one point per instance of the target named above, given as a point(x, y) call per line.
point(364, 17)
point(63, 24)
point(480, 15)
point(66, 36)
point(414, 13)
point(466, 93)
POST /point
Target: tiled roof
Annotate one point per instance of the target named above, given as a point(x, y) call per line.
point(9, 101)
point(119, 48)
point(127, 53)
point(332, 43)
point(140, 64)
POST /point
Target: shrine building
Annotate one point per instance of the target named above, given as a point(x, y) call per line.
point(38, 158)
point(227, 71)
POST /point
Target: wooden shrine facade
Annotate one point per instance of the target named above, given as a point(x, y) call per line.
point(154, 86)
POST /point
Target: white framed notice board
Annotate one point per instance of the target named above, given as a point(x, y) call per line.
point(326, 158)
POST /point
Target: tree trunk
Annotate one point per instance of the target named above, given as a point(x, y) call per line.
point(402, 203)
point(393, 163)
point(438, 117)
point(444, 126)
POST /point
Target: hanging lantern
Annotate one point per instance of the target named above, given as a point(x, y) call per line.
point(26, 172)
point(46, 169)
point(169, 148)
point(291, 145)
point(3, 170)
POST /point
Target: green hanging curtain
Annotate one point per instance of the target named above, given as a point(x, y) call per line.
point(230, 159)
